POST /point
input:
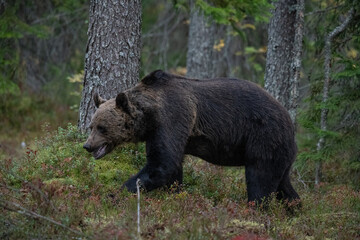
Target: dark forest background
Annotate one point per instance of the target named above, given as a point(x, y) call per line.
point(45, 177)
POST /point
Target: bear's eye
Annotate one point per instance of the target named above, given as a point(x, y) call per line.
point(101, 129)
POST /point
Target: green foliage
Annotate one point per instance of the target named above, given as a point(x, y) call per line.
point(34, 85)
point(62, 158)
point(12, 28)
point(57, 180)
point(341, 152)
point(231, 12)
point(204, 179)
point(234, 11)
point(23, 115)
point(30, 32)
point(163, 37)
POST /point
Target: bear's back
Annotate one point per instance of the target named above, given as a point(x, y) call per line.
point(220, 96)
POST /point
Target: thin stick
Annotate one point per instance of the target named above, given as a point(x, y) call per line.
point(138, 206)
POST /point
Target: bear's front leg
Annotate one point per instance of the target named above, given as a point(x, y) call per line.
point(164, 155)
point(130, 184)
point(152, 177)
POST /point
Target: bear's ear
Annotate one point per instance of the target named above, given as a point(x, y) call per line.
point(98, 100)
point(122, 102)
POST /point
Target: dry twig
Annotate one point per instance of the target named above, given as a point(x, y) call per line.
point(15, 207)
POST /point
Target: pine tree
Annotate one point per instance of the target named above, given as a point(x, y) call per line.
point(283, 60)
point(112, 57)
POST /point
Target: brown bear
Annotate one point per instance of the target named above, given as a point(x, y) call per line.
point(228, 122)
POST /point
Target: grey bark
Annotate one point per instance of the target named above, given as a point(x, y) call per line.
point(283, 60)
point(203, 60)
point(112, 57)
point(327, 73)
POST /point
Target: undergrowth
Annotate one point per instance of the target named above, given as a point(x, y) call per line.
point(57, 190)
point(25, 115)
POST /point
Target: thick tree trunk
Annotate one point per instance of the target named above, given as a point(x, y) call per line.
point(113, 52)
point(327, 73)
point(283, 60)
point(205, 55)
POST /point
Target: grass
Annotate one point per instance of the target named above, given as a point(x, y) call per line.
point(57, 190)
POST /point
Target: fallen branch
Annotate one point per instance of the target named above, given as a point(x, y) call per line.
point(41, 193)
point(302, 181)
point(21, 210)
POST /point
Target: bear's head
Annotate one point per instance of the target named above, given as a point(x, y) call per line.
point(112, 124)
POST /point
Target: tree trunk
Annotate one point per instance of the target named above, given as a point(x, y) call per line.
point(327, 73)
point(205, 55)
point(283, 60)
point(112, 57)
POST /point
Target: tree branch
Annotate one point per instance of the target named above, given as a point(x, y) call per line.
point(324, 10)
point(327, 71)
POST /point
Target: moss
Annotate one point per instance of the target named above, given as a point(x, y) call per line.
point(61, 181)
point(117, 167)
point(60, 157)
point(113, 172)
point(248, 225)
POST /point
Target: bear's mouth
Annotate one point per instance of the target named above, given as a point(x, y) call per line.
point(100, 151)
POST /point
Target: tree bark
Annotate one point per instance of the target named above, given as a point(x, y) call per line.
point(112, 57)
point(283, 60)
point(205, 55)
point(327, 73)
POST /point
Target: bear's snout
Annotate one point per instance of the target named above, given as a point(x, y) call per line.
point(87, 147)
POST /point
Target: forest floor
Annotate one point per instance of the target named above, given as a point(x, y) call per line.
point(54, 189)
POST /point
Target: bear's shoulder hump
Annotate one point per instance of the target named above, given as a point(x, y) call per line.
point(157, 76)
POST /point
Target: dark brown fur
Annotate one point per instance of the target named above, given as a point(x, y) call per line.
point(227, 122)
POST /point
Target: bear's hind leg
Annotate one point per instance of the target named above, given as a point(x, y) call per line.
point(260, 183)
point(285, 190)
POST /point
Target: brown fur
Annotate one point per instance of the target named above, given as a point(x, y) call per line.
point(227, 122)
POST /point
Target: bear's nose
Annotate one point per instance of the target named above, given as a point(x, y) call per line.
point(87, 147)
